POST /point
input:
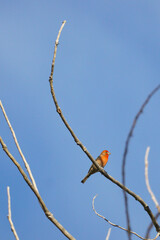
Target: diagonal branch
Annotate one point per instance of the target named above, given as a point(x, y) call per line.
point(18, 147)
point(115, 225)
point(48, 214)
point(130, 134)
point(9, 215)
point(151, 225)
point(146, 207)
point(136, 197)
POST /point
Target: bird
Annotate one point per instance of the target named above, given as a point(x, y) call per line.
point(102, 160)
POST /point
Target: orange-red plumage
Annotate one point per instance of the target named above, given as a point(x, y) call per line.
point(102, 160)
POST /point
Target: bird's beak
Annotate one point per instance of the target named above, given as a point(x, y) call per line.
point(109, 153)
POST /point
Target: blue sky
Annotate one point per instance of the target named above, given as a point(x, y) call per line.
point(107, 63)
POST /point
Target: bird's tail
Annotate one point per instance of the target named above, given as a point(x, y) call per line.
point(84, 179)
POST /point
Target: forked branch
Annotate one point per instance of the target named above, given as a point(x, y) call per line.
point(48, 214)
point(115, 225)
point(130, 134)
point(18, 147)
point(32, 184)
point(146, 207)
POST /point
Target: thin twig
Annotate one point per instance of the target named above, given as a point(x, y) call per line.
point(54, 97)
point(151, 226)
point(150, 191)
point(48, 214)
point(108, 234)
point(18, 147)
point(147, 180)
point(115, 225)
point(9, 215)
point(130, 134)
point(55, 48)
point(146, 207)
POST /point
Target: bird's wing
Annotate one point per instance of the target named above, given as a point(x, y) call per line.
point(93, 168)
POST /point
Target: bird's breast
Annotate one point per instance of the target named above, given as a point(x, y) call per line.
point(104, 160)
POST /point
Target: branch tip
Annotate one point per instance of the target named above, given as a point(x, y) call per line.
point(115, 225)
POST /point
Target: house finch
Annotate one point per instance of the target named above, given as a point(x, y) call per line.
point(102, 160)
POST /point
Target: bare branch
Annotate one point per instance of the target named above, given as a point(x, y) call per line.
point(151, 225)
point(147, 180)
point(48, 214)
point(55, 48)
point(18, 147)
point(130, 134)
point(108, 234)
point(54, 97)
point(150, 191)
point(138, 198)
point(9, 215)
point(146, 207)
point(115, 225)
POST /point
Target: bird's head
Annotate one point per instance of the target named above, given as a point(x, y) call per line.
point(105, 153)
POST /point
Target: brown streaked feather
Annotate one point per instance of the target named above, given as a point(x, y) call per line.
point(93, 168)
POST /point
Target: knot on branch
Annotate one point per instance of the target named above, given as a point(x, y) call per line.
point(84, 149)
point(59, 110)
point(49, 214)
point(141, 111)
point(146, 208)
point(56, 42)
point(50, 78)
point(78, 142)
point(4, 147)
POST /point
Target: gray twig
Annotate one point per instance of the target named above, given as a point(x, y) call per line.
point(130, 134)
